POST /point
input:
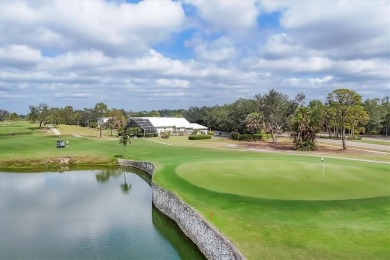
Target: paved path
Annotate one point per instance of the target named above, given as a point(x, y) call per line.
point(359, 145)
point(55, 130)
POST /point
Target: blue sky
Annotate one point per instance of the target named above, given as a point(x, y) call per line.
point(157, 54)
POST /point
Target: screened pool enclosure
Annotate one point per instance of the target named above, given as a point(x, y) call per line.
point(143, 124)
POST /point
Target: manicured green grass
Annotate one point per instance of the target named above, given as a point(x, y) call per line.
point(36, 150)
point(9, 128)
point(297, 179)
point(262, 228)
point(274, 228)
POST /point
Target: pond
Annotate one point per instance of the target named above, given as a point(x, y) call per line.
point(93, 214)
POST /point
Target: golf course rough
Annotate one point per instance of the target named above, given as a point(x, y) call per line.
point(209, 240)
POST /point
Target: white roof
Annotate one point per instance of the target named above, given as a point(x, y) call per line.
point(169, 122)
point(178, 122)
point(198, 126)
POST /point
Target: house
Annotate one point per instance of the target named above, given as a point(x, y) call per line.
point(103, 121)
point(177, 126)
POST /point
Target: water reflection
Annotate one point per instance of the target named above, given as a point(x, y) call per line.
point(104, 175)
point(168, 229)
point(72, 216)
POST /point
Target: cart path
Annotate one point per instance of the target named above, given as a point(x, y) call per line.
point(358, 145)
point(54, 130)
point(315, 154)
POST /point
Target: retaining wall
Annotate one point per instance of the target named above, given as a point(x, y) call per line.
point(208, 239)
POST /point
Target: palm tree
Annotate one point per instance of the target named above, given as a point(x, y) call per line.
point(253, 122)
point(306, 124)
point(125, 187)
point(125, 139)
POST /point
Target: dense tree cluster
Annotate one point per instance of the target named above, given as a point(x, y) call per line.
point(342, 114)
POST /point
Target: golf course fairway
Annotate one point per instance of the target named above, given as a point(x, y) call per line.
point(271, 205)
point(289, 179)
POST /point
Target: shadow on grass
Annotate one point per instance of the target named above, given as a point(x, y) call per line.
point(17, 133)
point(33, 128)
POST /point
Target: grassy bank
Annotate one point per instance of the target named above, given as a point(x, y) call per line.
point(253, 210)
point(275, 228)
point(36, 147)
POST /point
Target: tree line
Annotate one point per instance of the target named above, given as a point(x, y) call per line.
point(343, 113)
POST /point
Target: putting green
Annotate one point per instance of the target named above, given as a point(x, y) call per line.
point(290, 180)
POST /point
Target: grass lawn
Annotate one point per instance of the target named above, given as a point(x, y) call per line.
point(84, 131)
point(293, 179)
point(386, 143)
point(279, 228)
point(9, 128)
point(250, 195)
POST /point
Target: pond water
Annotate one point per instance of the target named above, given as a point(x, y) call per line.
point(89, 214)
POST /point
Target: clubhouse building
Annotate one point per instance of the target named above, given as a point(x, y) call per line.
point(156, 125)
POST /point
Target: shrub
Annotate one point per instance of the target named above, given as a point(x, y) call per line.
point(257, 137)
point(165, 135)
point(180, 133)
point(210, 133)
point(194, 132)
point(93, 125)
point(151, 135)
point(235, 135)
point(199, 137)
point(245, 137)
point(266, 137)
point(305, 146)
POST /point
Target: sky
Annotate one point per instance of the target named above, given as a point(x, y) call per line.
point(162, 54)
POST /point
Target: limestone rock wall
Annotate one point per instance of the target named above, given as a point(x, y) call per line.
point(208, 239)
point(144, 166)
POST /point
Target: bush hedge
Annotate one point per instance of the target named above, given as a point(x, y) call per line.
point(199, 137)
point(165, 135)
point(147, 135)
point(250, 137)
point(235, 135)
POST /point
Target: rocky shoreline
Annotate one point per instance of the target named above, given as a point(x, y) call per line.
point(209, 240)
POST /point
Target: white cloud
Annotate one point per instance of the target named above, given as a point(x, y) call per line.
point(341, 28)
point(19, 55)
point(318, 81)
point(221, 49)
point(236, 18)
point(282, 45)
point(108, 26)
point(201, 52)
point(305, 82)
point(73, 60)
point(374, 68)
point(174, 83)
point(295, 64)
point(293, 81)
